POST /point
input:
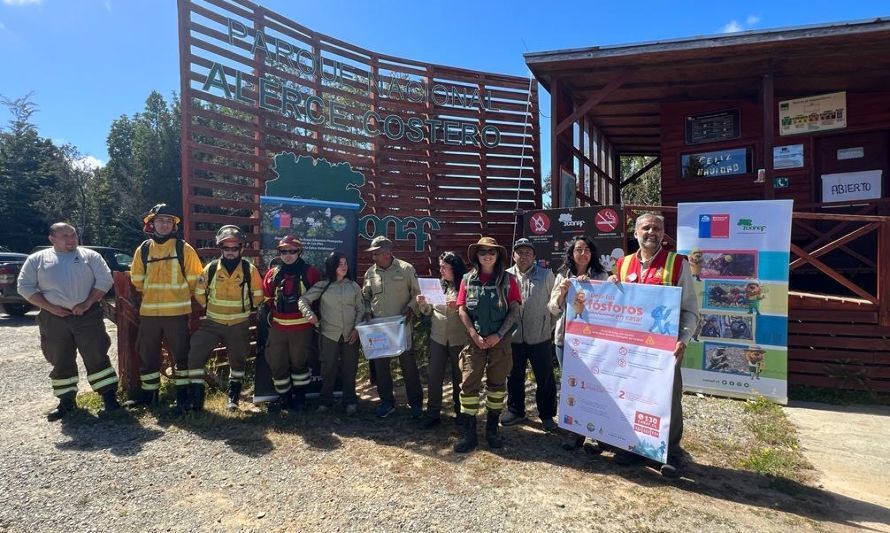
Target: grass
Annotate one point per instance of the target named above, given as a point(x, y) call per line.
point(775, 451)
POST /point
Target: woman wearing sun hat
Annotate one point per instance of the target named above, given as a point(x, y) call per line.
point(488, 303)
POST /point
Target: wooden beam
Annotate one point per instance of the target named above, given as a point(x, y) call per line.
point(768, 103)
point(591, 102)
point(839, 243)
point(833, 274)
point(586, 160)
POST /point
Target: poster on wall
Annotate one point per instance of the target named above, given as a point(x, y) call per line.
point(552, 231)
point(813, 113)
point(619, 362)
point(738, 254)
point(322, 227)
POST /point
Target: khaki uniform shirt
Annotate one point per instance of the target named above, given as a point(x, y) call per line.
point(341, 307)
point(446, 328)
point(387, 292)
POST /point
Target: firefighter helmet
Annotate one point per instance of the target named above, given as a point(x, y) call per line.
point(290, 240)
point(161, 209)
point(229, 232)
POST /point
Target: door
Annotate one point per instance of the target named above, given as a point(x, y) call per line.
point(854, 160)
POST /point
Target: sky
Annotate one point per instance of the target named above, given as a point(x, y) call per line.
point(87, 62)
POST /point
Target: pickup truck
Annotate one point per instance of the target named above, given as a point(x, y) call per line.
point(11, 263)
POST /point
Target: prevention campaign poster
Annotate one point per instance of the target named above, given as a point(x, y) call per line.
point(552, 230)
point(738, 254)
point(618, 369)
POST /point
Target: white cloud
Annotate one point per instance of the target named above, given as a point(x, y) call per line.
point(732, 27)
point(17, 3)
point(88, 162)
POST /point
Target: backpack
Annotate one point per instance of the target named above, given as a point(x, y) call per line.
point(245, 280)
point(180, 254)
point(302, 277)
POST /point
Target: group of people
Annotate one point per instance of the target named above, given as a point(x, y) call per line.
point(496, 320)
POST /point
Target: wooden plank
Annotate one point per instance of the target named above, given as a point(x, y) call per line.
point(851, 368)
point(845, 343)
point(840, 330)
point(817, 354)
point(836, 316)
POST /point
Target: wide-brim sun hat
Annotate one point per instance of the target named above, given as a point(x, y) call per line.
point(487, 242)
point(379, 242)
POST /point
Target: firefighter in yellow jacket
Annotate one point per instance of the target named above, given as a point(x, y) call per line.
point(230, 288)
point(165, 270)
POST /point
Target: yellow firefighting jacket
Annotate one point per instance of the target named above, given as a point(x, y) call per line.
point(226, 297)
point(164, 290)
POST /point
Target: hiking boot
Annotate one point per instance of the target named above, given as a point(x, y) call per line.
point(548, 424)
point(145, 398)
point(109, 401)
point(183, 400)
point(234, 395)
point(322, 408)
point(297, 400)
point(384, 410)
point(491, 430)
point(416, 411)
point(510, 418)
point(66, 405)
point(351, 409)
point(669, 470)
point(469, 440)
point(196, 403)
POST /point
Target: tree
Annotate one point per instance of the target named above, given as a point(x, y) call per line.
point(29, 166)
point(645, 190)
point(144, 169)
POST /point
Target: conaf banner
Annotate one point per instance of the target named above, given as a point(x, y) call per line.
point(738, 253)
point(552, 230)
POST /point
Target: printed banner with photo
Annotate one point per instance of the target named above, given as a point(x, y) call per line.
point(618, 368)
point(551, 231)
point(738, 253)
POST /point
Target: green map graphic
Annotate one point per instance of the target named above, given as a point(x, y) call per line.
point(316, 179)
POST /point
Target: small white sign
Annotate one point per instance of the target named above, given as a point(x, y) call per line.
point(850, 153)
point(790, 156)
point(843, 187)
point(431, 289)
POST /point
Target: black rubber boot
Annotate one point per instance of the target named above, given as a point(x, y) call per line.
point(183, 400)
point(491, 430)
point(234, 395)
point(469, 440)
point(66, 405)
point(109, 401)
point(297, 400)
point(197, 399)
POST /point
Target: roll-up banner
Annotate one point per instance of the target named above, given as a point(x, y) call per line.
point(739, 254)
point(552, 230)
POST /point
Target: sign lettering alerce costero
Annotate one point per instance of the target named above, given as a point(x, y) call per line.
point(445, 145)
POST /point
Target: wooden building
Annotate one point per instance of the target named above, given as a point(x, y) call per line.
point(799, 113)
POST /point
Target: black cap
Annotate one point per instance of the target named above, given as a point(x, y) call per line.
point(523, 242)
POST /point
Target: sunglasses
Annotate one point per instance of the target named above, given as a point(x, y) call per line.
point(289, 252)
point(487, 251)
point(230, 248)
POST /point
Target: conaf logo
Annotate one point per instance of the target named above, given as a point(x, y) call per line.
point(567, 221)
point(746, 225)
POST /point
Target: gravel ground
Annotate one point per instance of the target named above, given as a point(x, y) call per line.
point(254, 472)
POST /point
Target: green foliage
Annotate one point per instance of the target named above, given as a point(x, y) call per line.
point(29, 166)
point(646, 190)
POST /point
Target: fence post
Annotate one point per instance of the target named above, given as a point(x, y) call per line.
point(883, 288)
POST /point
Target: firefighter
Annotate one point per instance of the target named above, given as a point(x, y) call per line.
point(165, 269)
point(290, 337)
point(230, 287)
point(67, 283)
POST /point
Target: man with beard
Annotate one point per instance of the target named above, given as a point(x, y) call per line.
point(230, 288)
point(67, 283)
point(291, 334)
point(165, 270)
point(653, 265)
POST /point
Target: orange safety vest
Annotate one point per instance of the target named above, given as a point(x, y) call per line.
point(665, 269)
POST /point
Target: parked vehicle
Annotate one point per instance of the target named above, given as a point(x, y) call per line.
point(11, 263)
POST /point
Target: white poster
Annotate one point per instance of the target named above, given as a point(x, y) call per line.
point(738, 254)
point(846, 186)
point(619, 363)
point(431, 289)
point(813, 113)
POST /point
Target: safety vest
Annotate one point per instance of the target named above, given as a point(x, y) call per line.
point(665, 269)
point(487, 302)
point(226, 294)
point(165, 290)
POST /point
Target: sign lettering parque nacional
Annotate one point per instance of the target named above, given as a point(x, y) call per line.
point(429, 154)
